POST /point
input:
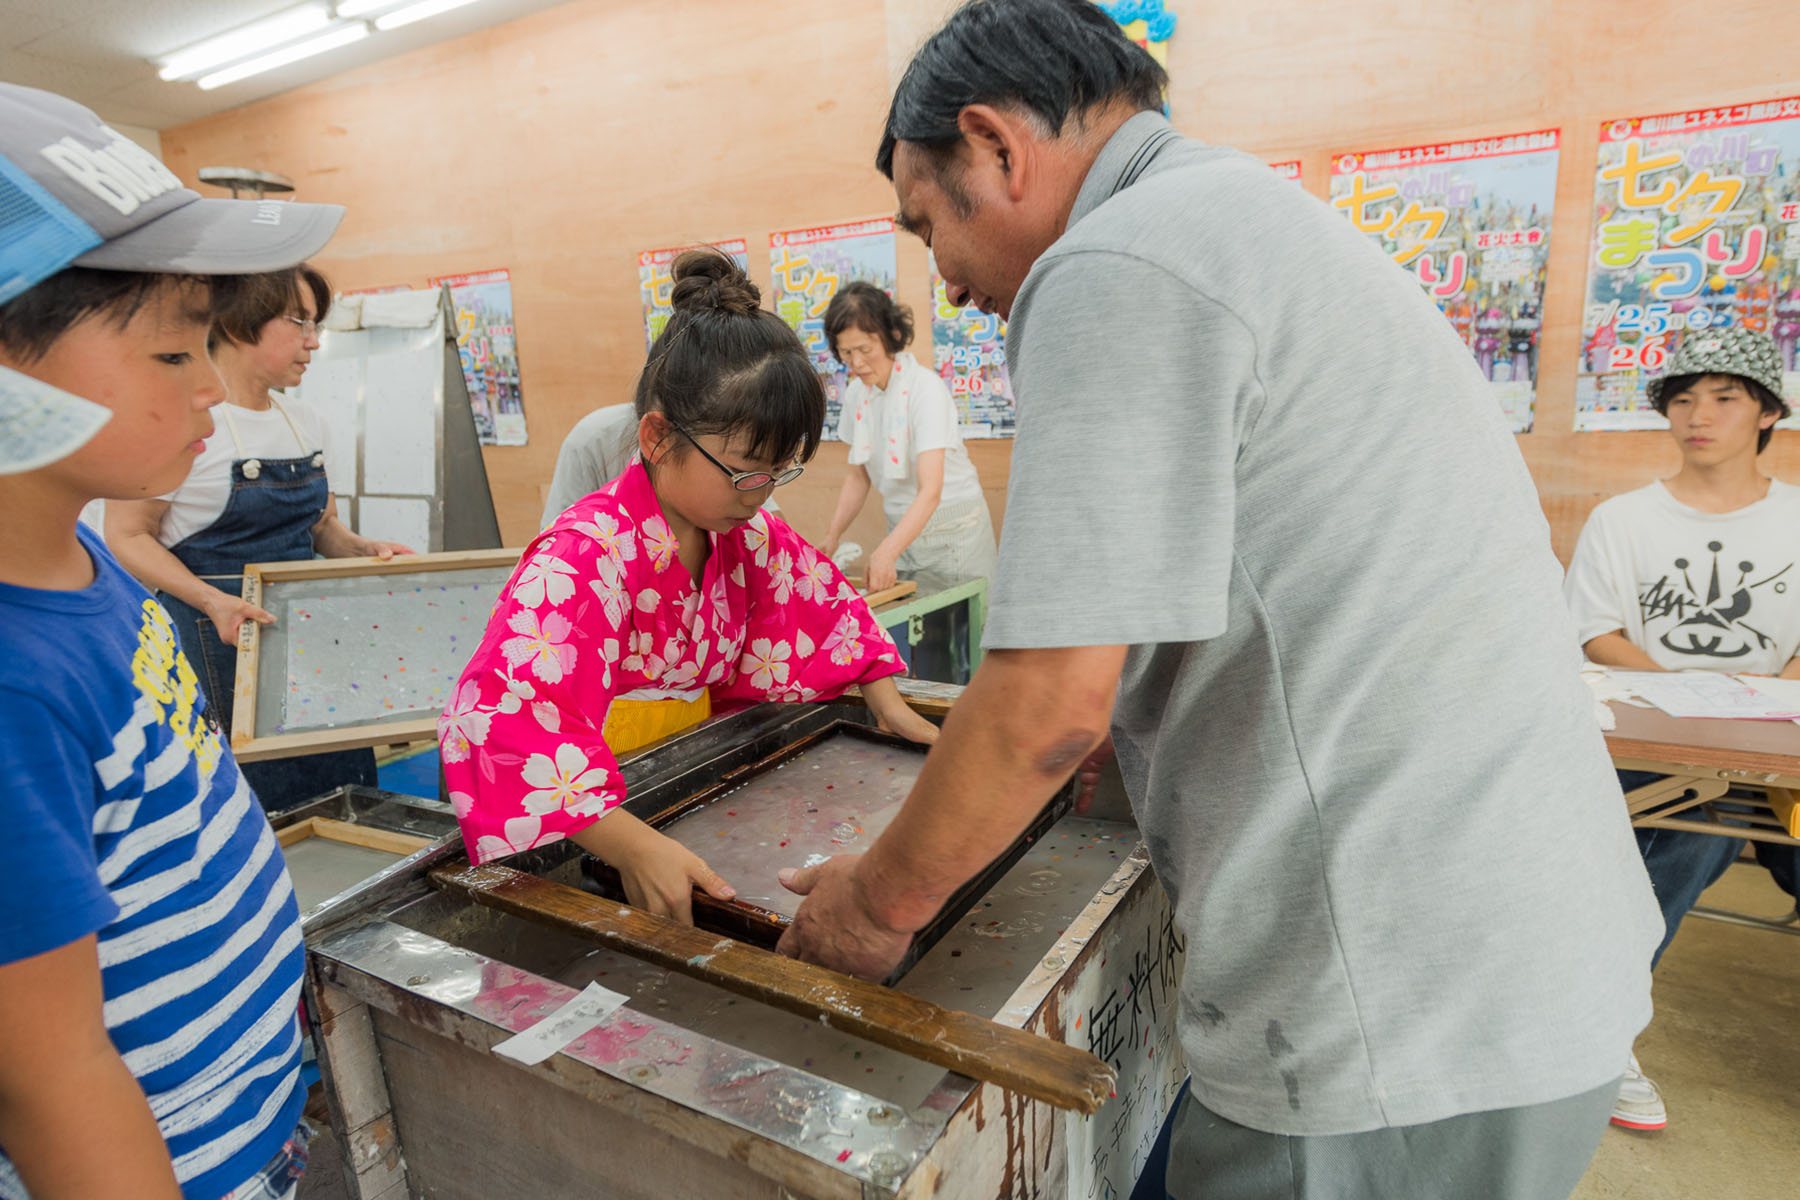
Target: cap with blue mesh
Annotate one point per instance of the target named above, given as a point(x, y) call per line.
point(75, 192)
point(38, 234)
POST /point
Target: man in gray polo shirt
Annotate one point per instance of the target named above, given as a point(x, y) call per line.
point(1261, 498)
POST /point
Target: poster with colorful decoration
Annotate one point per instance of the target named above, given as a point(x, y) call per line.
point(1696, 226)
point(1149, 23)
point(1287, 170)
point(970, 348)
point(1471, 221)
point(655, 282)
point(807, 266)
point(483, 302)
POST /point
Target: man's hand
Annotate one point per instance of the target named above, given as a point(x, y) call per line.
point(835, 927)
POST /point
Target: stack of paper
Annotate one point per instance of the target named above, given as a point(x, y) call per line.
point(1710, 694)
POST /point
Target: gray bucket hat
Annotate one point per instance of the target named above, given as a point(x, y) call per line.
point(1733, 350)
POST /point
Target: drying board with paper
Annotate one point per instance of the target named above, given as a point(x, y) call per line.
point(401, 449)
point(362, 651)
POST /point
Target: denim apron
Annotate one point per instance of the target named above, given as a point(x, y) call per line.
point(268, 517)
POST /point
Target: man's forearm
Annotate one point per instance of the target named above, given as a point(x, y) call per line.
point(1015, 735)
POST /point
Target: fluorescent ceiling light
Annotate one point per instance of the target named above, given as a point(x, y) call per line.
point(285, 55)
point(240, 43)
point(356, 8)
point(417, 12)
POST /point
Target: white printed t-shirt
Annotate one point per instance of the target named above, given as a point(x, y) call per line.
point(888, 428)
point(1692, 589)
point(200, 499)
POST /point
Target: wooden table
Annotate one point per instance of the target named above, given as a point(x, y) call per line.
point(1701, 760)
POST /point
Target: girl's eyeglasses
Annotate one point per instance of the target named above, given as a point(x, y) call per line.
point(744, 481)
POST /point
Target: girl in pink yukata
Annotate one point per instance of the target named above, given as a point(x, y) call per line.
point(662, 594)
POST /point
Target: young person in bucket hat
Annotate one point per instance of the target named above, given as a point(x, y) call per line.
point(1696, 572)
point(149, 938)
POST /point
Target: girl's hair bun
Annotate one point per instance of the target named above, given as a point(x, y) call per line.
point(708, 281)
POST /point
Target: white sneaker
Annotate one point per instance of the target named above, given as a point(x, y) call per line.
point(1640, 1104)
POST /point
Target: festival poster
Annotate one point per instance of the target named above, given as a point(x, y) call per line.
point(1471, 221)
point(655, 282)
point(1696, 226)
point(807, 266)
point(970, 348)
point(1287, 170)
point(485, 337)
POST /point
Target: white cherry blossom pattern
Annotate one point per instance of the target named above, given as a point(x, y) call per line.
point(781, 576)
point(520, 833)
point(542, 645)
point(756, 540)
point(609, 588)
point(813, 580)
point(561, 782)
point(463, 724)
point(614, 540)
point(544, 578)
point(518, 691)
point(659, 542)
point(766, 664)
point(845, 643)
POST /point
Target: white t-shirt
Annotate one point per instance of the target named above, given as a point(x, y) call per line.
point(1694, 590)
point(200, 499)
point(888, 428)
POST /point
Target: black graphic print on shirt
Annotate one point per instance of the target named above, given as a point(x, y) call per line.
point(1704, 608)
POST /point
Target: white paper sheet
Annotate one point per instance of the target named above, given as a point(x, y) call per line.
point(592, 1005)
point(1705, 694)
point(400, 422)
point(389, 520)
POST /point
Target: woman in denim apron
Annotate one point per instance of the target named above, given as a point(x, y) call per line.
point(277, 507)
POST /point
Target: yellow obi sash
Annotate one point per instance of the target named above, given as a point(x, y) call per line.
point(634, 723)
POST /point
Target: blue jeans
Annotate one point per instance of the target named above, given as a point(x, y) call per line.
point(1682, 864)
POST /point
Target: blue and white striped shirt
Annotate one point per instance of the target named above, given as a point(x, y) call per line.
point(124, 815)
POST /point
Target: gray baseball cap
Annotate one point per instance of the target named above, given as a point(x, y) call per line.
point(42, 423)
point(74, 192)
point(1733, 350)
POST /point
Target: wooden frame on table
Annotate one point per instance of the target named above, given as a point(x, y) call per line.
point(351, 834)
point(258, 578)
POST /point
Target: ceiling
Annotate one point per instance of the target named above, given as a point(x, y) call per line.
point(96, 51)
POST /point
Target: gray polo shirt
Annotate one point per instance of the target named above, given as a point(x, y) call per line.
point(1351, 722)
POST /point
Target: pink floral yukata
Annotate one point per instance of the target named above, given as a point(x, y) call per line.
point(601, 608)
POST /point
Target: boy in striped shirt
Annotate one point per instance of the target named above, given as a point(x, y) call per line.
point(150, 951)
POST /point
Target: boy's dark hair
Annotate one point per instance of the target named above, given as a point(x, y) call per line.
point(1674, 385)
point(252, 301)
point(31, 322)
point(862, 305)
point(725, 366)
point(1048, 57)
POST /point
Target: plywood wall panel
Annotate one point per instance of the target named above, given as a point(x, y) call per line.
point(561, 144)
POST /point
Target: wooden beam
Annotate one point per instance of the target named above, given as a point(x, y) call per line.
point(1052, 1072)
point(888, 595)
